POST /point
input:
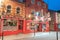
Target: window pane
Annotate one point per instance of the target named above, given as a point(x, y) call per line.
point(9, 24)
point(8, 9)
point(18, 10)
point(37, 14)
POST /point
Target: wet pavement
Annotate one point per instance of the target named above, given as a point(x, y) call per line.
point(31, 36)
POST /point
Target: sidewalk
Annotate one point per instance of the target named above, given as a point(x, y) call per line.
point(38, 35)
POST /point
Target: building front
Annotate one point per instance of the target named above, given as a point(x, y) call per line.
point(23, 16)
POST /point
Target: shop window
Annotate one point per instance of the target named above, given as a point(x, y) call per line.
point(39, 3)
point(9, 24)
point(33, 1)
point(9, 9)
point(38, 14)
point(18, 10)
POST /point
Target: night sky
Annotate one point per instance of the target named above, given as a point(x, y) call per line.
point(53, 4)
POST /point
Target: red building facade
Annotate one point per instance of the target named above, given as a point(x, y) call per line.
point(36, 10)
point(24, 16)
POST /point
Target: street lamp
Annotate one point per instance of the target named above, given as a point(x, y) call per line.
point(1, 6)
point(56, 24)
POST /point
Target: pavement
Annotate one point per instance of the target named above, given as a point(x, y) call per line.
point(32, 36)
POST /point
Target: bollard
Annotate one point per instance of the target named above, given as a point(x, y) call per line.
point(2, 35)
point(57, 35)
point(34, 32)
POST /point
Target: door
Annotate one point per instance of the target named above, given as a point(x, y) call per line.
point(20, 27)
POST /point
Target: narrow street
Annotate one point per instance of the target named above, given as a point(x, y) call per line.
point(30, 36)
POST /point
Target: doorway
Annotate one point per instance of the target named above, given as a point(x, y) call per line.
point(20, 27)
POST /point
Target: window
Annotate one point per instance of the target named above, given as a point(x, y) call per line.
point(38, 3)
point(33, 1)
point(8, 8)
point(18, 10)
point(37, 14)
point(44, 5)
point(9, 24)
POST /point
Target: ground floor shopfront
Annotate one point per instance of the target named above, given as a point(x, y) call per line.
point(14, 25)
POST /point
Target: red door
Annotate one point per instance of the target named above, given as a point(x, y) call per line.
point(20, 26)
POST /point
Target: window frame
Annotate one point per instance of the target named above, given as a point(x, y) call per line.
point(18, 10)
point(9, 9)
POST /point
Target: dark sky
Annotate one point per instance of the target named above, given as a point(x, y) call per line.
point(53, 4)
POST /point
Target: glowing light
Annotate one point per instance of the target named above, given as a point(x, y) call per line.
point(37, 14)
point(1, 1)
point(29, 16)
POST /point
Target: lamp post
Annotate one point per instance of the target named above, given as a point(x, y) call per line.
point(56, 25)
point(1, 6)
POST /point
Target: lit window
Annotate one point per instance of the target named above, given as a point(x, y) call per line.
point(38, 3)
point(37, 14)
point(8, 8)
point(18, 10)
point(9, 24)
point(33, 1)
